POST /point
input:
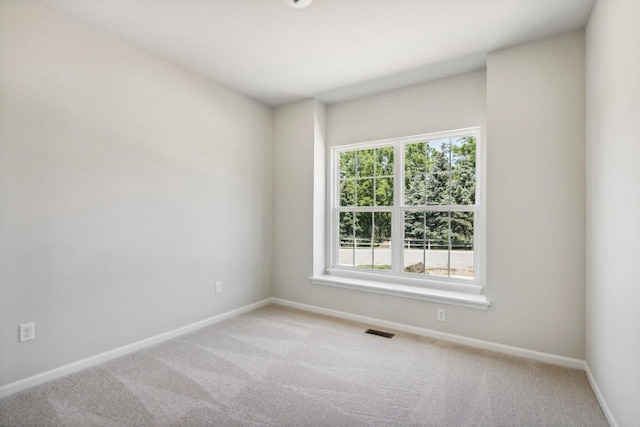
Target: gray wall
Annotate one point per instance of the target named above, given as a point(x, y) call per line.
point(535, 195)
point(128, 186)
point(293, 178)
point(613, 205)
point(533, 98)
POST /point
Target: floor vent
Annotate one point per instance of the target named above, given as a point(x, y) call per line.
point(379, 333)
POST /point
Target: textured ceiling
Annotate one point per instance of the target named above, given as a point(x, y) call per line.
point(333, 49)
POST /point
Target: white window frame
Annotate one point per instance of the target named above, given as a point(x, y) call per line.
point(466, 292)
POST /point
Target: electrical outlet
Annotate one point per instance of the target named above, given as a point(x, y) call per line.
point(218, 287)
point(441, 315)
point(27, 332)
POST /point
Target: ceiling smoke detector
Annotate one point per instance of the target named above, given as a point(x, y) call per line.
point(297, 4)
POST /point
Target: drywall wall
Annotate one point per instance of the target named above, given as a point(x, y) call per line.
point(320, 249)
point(530, 100)
point(535, 195)
point(294, 133)
point(613, 203)
point(446, 104)
point(128, 186)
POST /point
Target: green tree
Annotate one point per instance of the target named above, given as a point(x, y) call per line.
point(463, 171)
point(463, 181)
point(415, 166)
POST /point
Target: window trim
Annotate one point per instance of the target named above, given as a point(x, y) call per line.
point(399, 282)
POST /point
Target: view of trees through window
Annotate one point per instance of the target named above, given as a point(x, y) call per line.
point(437, 212)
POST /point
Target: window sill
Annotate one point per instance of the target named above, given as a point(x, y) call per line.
point(463, 299)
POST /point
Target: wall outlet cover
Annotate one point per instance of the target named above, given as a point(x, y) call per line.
point(27, 332)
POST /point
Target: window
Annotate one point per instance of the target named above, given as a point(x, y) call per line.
point(406, 211)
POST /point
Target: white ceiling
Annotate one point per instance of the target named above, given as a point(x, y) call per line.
point(333, 49)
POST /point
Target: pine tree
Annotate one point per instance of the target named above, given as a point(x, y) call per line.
point(439, 193)
point(463, 190)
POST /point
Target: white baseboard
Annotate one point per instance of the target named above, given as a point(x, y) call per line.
point(458, 339)
point(596, 390)
point(79, 365)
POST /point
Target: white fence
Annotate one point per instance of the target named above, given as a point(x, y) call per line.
point(435, 258)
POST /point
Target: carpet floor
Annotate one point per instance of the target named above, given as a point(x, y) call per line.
point(283, 367)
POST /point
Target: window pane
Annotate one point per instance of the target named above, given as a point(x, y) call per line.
point(427, 243)
point(463, 153)
point(364, 165)
point(438, 189)
point(348, 164)
point(462, 245)
point(384, 191)
point(364, 191)
point(382, 241)
point(415, 158)
point(414, 242)
point(415, 190)
point(438, 156)
point(437, 244)
point(463, 166)
point(363, 240)
point(384, 161)
point(346, 252)
point(348, 192)
point(463, 187)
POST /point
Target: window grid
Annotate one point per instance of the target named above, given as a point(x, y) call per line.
point(401, 207)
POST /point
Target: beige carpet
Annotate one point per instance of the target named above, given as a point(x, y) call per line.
point(283, 367)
